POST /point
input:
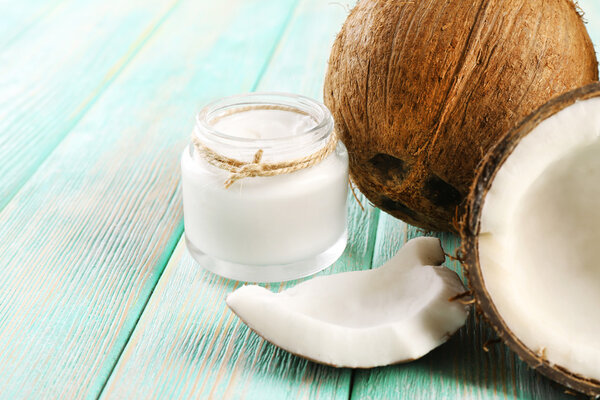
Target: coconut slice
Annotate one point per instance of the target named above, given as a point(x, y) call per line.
point(531, 239)
point(362, 319)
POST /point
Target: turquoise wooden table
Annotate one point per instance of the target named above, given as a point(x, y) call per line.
point(98, 296)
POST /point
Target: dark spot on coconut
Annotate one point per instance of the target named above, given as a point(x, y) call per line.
point(392, 205)
point(440, 192)
point(388, 169)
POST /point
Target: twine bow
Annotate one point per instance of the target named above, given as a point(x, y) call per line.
point(247, 170)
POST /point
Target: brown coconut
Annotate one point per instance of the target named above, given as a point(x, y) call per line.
point(421, 90)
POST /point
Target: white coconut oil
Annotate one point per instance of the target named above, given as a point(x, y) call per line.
point(265, 228)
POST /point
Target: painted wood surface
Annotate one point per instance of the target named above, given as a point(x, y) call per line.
point(18, 17)
point(90, 213)
point(85, 240)
point(187, 343)
point(56, 66)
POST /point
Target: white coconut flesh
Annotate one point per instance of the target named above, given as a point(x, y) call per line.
point(361, 319)
point(539, 242)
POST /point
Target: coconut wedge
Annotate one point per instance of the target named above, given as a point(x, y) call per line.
point(362, 319)
point(531, 239)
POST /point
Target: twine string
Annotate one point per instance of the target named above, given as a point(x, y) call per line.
point(242, 169)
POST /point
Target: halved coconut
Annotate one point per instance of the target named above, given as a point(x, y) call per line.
point(531, 238)
point(362, 319)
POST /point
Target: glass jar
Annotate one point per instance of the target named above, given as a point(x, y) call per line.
point(286, 225)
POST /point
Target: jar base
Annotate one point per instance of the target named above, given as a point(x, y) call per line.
point(269, 273)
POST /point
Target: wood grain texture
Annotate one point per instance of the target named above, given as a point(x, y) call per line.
point(84, 241)
point(58, 68)
point(187, 343)
point(16, 17)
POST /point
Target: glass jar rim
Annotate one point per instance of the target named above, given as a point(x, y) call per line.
point(304, 104)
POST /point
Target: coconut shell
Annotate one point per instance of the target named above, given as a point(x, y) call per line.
point(421, 90)
point(470, 230)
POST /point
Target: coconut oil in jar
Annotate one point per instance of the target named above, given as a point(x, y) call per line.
point(262, 226)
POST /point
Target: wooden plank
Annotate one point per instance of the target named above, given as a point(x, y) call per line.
point(460, 368)
point(16, 17)
point(57, 69)
point(187, 343)
point(83, 243)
